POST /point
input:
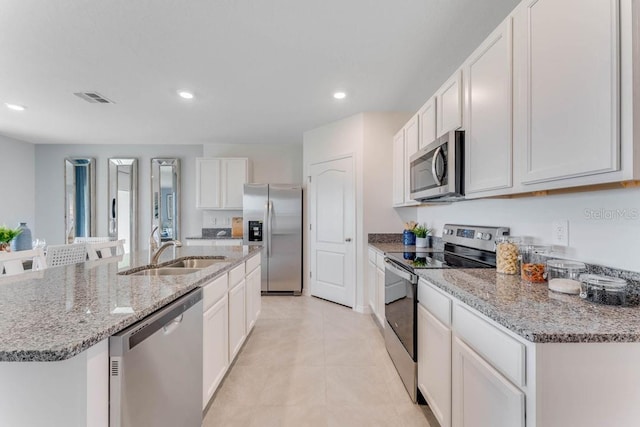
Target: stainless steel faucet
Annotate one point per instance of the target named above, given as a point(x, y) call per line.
point(153, 242)
point(156, 255)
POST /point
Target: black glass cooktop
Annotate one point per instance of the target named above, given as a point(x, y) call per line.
point(418, 260)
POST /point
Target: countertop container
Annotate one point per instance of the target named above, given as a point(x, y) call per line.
point(603, 289)
point(534, 258)
point(507, 248)
point(564, 275)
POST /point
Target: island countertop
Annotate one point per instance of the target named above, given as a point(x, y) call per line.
point(56, 313)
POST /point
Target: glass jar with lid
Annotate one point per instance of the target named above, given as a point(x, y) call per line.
point(507, 248)
point(603, 289)
point(534, 258)
point(564, 275)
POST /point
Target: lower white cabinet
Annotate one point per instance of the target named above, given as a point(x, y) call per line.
point(371, 282)
point(481, 396)
point(253, 290)
point(380, 298)
point(215, 350)
point(434, 365)
point(237, 318)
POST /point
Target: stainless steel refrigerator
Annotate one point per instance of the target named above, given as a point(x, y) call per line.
point(272, 216)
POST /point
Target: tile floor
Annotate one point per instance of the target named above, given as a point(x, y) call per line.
point(309, 362)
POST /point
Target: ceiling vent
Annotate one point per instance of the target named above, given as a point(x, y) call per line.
point(93, 97)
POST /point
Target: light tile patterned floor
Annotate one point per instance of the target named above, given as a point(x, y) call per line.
point(309, 362)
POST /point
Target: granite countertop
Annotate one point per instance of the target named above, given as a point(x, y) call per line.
point(531, 310)
point(57, 313)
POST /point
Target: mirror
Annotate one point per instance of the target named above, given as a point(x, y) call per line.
point(79, 200)
point(123, 202)
point(165, 198)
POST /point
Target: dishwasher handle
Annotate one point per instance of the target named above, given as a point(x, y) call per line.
point(167, 319)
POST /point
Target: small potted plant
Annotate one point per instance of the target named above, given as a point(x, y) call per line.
point(421, 233)
point(408, 237)
point(6, 236)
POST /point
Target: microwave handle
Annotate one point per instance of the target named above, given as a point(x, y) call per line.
point(433, 166)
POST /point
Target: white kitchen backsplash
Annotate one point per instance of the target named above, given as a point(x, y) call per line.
point(604, 226)
point(218, 219)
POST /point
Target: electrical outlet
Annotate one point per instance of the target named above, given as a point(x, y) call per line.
point(560, 232)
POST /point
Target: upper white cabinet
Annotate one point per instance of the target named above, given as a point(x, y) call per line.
point(427, 122)
point(488, 120)
point(405, 144)
point(568, 76)
point(449, 105)
point(220, 182)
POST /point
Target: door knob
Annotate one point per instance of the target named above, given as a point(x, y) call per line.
point(348, 239)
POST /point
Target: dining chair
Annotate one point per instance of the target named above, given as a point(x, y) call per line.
point(105, 249)
point(12, 263)
point(66, 254)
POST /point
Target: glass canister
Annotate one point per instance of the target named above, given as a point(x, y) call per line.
point(603, 289)
point(533, 266)
point(564, 275)
point(507, 248)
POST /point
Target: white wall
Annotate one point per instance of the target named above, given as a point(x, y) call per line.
point(49, 173)
point(17, 183)
point(604, 226)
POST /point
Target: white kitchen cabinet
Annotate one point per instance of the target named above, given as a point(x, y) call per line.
point(215, 349)
point(380, 298)
point(405, 144)
point(371, 281)
point(220, 182)
point(568, 75)
point(253, 289)
point(237, 318)
point(449, 105)
point(481, 396)
point(427, 122)
point(434, 365)
point(488, 118)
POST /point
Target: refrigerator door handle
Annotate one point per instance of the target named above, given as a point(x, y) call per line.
point(265, 230)
point(270, 213)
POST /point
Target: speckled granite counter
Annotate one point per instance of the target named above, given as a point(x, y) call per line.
point(533, 311)
point(398, 247)
point(59, 312)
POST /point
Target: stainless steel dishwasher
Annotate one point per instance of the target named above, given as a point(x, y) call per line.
point(155, 368)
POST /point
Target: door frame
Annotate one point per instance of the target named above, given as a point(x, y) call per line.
point(310, 236)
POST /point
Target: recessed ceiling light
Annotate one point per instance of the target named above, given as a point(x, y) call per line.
point(339, 95)
point(185, 94)
point(15, 107)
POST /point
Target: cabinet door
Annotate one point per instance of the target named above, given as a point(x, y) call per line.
point(427, 121)
point(449, 105)
point(215, 348)
point(237, 319)
point(488, 118)
point(411, 141)
point(380, 289)
point(208, 176)
point(253, 297)
point(481, 396)
point(398, 169)
point(434, 365)
point(569, 79)
point(234, 179)
point(372, 290)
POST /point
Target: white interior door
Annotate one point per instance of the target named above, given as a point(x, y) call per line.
point(332, 234)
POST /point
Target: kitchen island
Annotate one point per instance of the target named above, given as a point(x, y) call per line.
point(55, 324)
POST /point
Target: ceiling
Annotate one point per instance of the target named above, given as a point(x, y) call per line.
point(263, 71)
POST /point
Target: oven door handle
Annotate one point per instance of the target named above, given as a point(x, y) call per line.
point(400, 272)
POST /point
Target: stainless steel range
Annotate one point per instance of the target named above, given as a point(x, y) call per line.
point(465, 247)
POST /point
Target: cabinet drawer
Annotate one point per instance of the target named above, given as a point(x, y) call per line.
point(505, 353)
point(236, 275)
point(372, 255)
point(435, 301)
point(380, 260)
point(252, 263)
point(213, 291)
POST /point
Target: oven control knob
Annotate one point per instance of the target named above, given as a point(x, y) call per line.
point(479, 235)
point(487, 236)
point(445, 231)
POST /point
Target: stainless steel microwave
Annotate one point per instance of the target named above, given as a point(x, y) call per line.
point(437, 171)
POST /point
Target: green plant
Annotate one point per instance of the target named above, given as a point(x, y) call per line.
point(421, 231)
point(8, 234)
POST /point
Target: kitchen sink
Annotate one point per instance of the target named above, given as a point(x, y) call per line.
point(163, 271)
point(196, 262)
